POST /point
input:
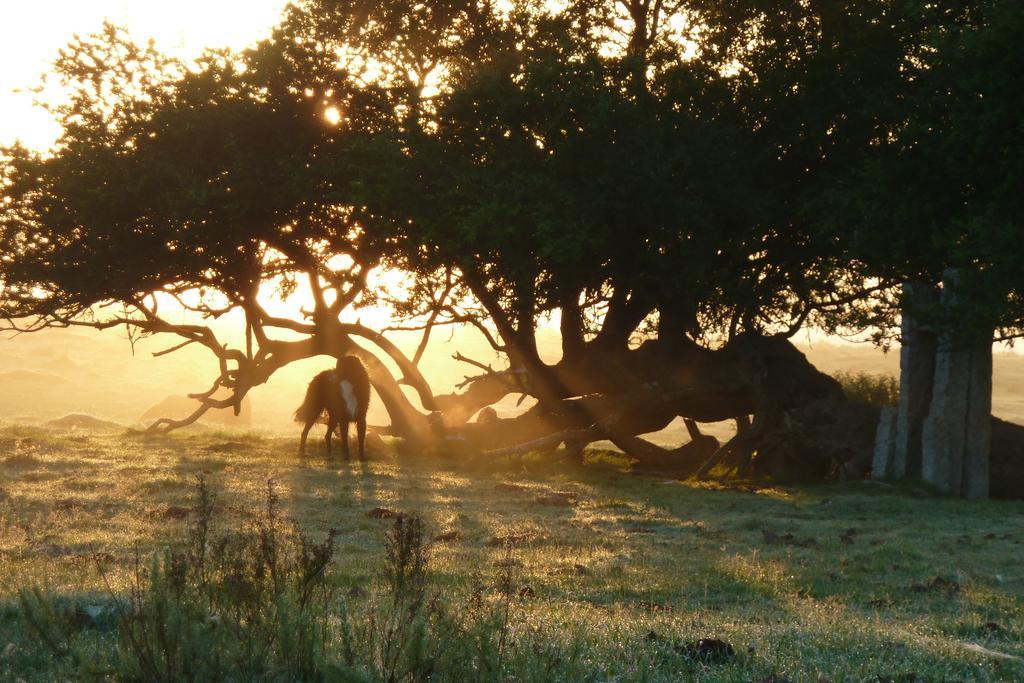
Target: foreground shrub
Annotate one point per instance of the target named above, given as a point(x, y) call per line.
point(260, 603)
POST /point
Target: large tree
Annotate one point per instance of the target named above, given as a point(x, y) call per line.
point(640, 172)
point(667, 200)
point(201, 187)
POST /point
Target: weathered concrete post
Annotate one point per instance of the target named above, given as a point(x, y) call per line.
point(917, 372)
point(957, 431)
point(978, 446)
point(898, 439)
point(885, 444)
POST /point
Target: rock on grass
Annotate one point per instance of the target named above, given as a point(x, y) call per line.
point(507, 540)
point(556, 499)
point(938, 584)
point(707, 650)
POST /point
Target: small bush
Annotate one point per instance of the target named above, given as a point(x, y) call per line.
point(870, 389)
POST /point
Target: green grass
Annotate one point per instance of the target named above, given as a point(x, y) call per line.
point(776, 572)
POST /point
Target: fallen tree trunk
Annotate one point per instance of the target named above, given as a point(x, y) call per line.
point(823, 438)
point(634, 392)
point(1007, 460)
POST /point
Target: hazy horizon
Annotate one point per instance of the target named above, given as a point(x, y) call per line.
point(54, 373)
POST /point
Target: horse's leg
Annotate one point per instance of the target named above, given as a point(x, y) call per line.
point(361, 429)
point(344, 438)
point(332, 422)
point(305, 433)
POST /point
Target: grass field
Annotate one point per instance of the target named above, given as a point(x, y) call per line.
point(863, 582)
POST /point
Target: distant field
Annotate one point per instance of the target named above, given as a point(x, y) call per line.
point(862, 582)
point(49, 375)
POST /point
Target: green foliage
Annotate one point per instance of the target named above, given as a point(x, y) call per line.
point(550, 161)
point(938, 189)
point(869, 388)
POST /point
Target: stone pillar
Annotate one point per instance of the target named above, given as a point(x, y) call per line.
point(885, 444)
point(945, 429)
point(978, 446)
point(957, 431)
point(917, 371)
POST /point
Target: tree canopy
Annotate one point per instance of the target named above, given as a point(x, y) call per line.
point(679, 186)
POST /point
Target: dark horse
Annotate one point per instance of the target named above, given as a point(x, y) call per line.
point(344, 393)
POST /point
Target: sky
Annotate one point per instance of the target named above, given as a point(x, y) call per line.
point(32, 31)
